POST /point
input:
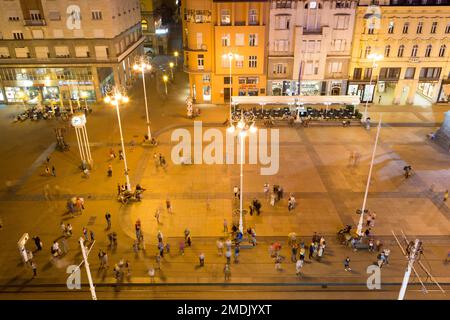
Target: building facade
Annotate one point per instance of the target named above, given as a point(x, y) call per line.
point(413, 38)
point(60, 50)
point(310, 46)
point(214, 31)
point(155, 33)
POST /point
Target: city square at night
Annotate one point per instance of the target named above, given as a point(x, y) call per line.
point(225, 150)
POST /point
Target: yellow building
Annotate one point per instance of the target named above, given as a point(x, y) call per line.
point(412, 41)
point(214, 31)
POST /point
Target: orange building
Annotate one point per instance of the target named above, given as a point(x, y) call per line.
point(214, 31)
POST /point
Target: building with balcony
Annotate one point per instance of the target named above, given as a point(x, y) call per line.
point(213, 29)
point(413, 37)
point(60, 50)
point(309, 46)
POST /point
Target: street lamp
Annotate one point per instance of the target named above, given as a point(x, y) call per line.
point(84, 96)
point(230, 57)
point(176, 58)
point(240, 125)
point(374, 57)
point(171, 69)
point(143, 63)
point(165, 79)
point(114, 96)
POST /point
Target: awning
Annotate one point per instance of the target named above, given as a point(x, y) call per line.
point(292, 100)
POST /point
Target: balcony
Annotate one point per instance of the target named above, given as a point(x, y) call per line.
point(317, 31)
point(31, 23)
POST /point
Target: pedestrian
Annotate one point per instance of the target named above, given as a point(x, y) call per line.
point(108, 220)
point(294, 249)
point(445, 196)
point(161, 249)
point(227, 271)
point(380, 259)
point(236, 253)
point(34, 268)
point(371, 245)
point(85, 233)
point(311, 250)
point(266, 190)
point(105, 260)
point(347, 264)
point(235, 191)
point(157, 215)
point(253, 239)
point(182, 248)
point(63, 228)
point(109, 170)
point(291, 202)
point(159, 236)
point(100, 257)
point(379, 99)
point(272, 199)
point(38, 243)
point(92, 235)
point(201, 258)
point(167, 246)
point(120, 155)
point(69, 229)
point(369, 220)
point(250, 208)
point(112, 154)
point(168, 206)
point(386, 252)
point(53, 171)
point(189, 241)
point(225, 225)
point(119, 189)
point(228, 244)
point(151, 273)
point(228, 256)
point(47, 171)
point(298, 267)
point(219, 247)
point(278, 260)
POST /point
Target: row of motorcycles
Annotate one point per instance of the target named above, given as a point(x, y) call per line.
point(40, 113)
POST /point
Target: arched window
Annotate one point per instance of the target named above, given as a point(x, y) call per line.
point(144, 25)
point(387, 50)
point(414, 50)
point(442, 50)
point(401, 49)
point(428, 50)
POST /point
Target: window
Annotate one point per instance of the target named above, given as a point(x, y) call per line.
point(338, 45)
point(281, 4)
point(225, 61)
point(282, 21)
point(252, 61)
point(42, 52)
point(239, 39)
point(201, 61)
point(18, 35)
point(341, 21)
point(62, 52)
point(35, 15)
point(206, 78)
point(442, 50)
point(367, 51)
point(225, 17)
point(281, 45)
point(406, 27)
point(430, 73)
point(419, 27)
point(22, 52)
point(54, 16)
point(96, 15)
point(433, 27)
point(253, 16)
point(144, 25)
point(389, 73)
point(37, 34)
point(279, 68)
point(401, 49)
point(409, 73)
point(357, 72)
point(199, 40)
point(239, 61)
point(371, 29)
point(428, 50)
point(4, 52)
point(387, 50)
point(227, 80)
point(367, 73)
point(253, 40)
point(226, 40)
point(447, 28)
point(414, 50)
point(13, 18)
point(335, 67)
point(391, 27)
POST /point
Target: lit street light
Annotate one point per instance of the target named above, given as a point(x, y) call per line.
point(141, 65)
point(165, 79)
point(230, 57)
point(171, 69)
point(176, 58)
point(114, 96)
point(240, 126)
point(374, 57)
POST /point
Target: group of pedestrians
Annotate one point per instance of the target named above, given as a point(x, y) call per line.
point(160, 161)
point(49, 172)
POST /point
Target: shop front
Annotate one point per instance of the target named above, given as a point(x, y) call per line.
point(312, 88)
point(283, 87)
point(248, 86)
point(444, 93)
point(385, 92)
point(364, 91)
point(427, 90)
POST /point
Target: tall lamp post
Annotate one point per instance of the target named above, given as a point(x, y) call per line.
point(176, 58)
point(230, 57)
point(143, 63)
point(114, 96)
point(171, 69)
point(241, 125)
point(165, 79)
point(374, 57)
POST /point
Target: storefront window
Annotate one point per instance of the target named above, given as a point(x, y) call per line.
point(50, 93)
point(310, 88)
point(206, 93)
point(445, 93)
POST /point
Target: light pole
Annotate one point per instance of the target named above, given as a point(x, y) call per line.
point(171, 69)
point(230, 57)
point(176, 58)
point(361, 218)
point(165, 79)
point(142, 64)
point(114, 96)
point(240, 125)
point(374, 57)
point(79, 123)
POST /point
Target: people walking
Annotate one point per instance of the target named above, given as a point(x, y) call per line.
point(236, 253)
point(347, 264)
point(92, 235)
point(34, 268)
point(151, 273)
point(266, 190)
point(201, 259)
point(291, 202)
point(168, 206)
point(298, 267)
point(227, 271)
point(311, 250)
point(120, 155)
point(38, 243)
point(85, 234)
point(219, 247)
point(108, 220)
point(386, 252)
point(109, 170)
point(236, 191)
point(69, 230)
point(225, 225)
point(228, 256)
